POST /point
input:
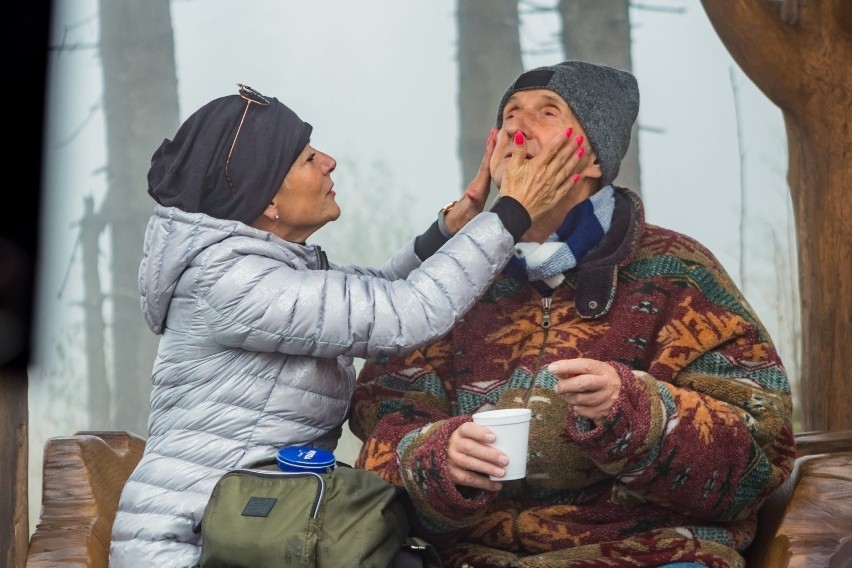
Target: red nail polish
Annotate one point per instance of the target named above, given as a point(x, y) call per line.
point(519, 137)
point(580, 140)
point(569, 132)
point(575, 178)
point(580, 152)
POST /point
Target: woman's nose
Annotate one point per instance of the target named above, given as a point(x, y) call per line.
point(331, 164)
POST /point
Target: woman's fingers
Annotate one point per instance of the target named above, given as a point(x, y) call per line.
point(539, 181)
point(479, 187)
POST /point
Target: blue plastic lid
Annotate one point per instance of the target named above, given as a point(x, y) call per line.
point(303, 458)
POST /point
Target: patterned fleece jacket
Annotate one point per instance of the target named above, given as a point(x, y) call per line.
point(699, 435)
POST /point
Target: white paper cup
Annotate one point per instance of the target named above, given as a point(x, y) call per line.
point(511, 426)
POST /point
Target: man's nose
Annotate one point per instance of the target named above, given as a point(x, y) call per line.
point(519, 121)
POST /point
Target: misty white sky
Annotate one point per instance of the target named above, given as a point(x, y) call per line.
point(377, 79)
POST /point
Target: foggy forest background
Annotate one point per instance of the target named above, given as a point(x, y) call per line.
point(93, 371)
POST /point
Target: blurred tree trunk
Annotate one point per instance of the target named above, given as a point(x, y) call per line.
point(91, 227)
point(799, 53)
point(489, 58)
point(140, 105)
point(599, 32)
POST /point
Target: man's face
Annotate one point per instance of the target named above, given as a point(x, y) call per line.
point(539, 114)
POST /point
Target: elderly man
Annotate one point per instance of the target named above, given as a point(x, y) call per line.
point(661, 410)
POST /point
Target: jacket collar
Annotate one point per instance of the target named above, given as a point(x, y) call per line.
point(596, 277)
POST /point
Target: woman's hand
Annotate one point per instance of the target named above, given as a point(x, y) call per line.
point(475, 195)
point(471, 460)
point(591, 387)
point(538, 182)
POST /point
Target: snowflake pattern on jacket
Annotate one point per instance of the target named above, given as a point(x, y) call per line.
point(699, 435)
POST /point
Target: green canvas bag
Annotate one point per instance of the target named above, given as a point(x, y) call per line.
point(346, 518)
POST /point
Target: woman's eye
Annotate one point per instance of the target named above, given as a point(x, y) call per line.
point(310, 158)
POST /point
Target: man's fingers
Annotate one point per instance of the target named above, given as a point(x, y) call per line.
point(475, 464)
point(566, 367)
point(471, 460)
point(461, 476)
point(579, 383)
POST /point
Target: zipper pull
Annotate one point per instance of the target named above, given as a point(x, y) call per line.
point(545, 305)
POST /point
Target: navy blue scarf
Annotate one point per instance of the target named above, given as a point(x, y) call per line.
point(543, 265)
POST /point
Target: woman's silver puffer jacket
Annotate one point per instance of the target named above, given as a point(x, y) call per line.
point(257, 350)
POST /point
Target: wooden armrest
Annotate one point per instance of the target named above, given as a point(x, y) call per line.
point(82, 481)
point(810, 443)
point(807, 522)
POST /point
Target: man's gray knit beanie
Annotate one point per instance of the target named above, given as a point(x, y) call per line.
point(604, 100)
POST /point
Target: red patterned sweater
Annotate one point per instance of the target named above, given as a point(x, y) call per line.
point(700, 432)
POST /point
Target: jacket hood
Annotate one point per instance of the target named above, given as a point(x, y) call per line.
point(175, 239)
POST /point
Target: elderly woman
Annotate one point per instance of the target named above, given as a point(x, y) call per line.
point(259, 329)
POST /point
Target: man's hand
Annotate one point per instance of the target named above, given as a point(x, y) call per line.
point(471, 460)
point(591, 387)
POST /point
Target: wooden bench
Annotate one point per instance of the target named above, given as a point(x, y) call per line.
point(82, 480)
point(807, 522)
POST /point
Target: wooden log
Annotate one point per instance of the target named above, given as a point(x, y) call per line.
point(82, 481)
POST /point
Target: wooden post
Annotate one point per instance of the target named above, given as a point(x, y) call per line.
point(26, 49)
point(799, 53)
point(14, 529)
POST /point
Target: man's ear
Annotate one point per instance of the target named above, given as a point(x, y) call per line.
point(593, 170)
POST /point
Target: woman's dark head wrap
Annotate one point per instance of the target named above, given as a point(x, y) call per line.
point(189, 173)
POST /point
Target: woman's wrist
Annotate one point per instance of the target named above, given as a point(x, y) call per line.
point(515, 218)
point(457, 214)
point(442, 221)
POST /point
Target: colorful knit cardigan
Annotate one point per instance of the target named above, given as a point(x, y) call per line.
point(699, 435)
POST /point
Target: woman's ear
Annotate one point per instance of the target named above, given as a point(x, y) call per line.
point(268, 220)
point(271, 212)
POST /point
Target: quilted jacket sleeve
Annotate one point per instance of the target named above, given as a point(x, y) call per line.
point(261, 304)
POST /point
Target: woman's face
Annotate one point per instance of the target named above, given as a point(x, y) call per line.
point(305, 201)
